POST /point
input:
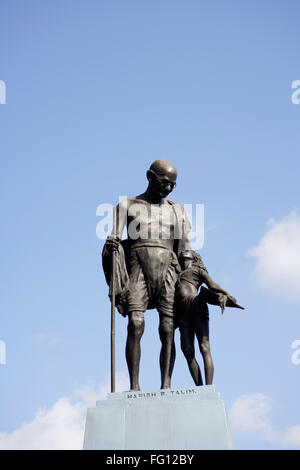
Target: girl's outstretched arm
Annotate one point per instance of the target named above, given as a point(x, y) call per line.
point(214, 286)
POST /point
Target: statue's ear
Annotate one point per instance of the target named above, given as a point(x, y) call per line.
point(149, 174)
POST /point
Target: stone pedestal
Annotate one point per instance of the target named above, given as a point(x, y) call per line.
point(173, 419)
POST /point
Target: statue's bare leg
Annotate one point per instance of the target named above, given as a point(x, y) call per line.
point(187, 340)
point(136, 326)
point(168, 352)
point(202, 333)
point(207, 359)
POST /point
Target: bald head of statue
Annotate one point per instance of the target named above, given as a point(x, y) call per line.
point(162, 176)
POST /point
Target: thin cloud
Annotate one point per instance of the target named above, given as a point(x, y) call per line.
point(278, 256)
point(60, 427)
point(292, 436)
point(250, 414)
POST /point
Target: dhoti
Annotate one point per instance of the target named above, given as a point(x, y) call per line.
point(153, 273)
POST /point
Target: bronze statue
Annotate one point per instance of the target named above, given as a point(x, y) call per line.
point(143, 273)
point(192, 312)
point(147, 264)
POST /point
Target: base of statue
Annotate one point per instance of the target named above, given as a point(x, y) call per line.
point(172, 419)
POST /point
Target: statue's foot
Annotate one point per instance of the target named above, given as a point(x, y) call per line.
point(135, 388)
point(166, 384)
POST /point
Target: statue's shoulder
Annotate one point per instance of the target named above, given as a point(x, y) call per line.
point(127, 202)
point(174, 204)
point(135, 199)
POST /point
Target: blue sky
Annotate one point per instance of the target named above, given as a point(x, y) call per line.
point(95, 91)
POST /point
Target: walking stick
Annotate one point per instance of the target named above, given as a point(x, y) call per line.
point(112, 316)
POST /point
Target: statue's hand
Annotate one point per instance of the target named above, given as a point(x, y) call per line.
point(222, 301)
point(112, 243)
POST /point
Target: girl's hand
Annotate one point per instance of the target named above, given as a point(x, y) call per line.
point(222, 301)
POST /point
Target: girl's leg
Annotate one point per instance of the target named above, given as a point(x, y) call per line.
point(202, 333)
point(187, 339)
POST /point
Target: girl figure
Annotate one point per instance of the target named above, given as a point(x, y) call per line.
point(192, 312)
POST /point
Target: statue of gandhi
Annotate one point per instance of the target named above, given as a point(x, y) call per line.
point(157, 232)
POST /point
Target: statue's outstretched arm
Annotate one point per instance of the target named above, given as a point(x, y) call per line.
point(216, 287)
point(212, 284)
